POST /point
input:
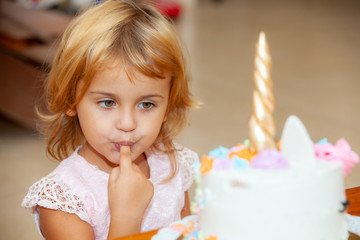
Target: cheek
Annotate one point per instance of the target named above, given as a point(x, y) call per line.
point(87, 127)
point(152, 126)
point(91, 125)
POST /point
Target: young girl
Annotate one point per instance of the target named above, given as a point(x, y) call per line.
point(117, 94)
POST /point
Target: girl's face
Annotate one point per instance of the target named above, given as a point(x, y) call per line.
point(115, 111)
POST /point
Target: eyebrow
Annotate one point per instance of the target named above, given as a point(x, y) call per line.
point(103, 93)
point(112, 95)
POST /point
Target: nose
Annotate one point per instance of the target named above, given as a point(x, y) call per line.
point(126, 120)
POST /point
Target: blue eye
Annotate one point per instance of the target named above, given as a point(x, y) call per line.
point(146, 105)
point(107, 103)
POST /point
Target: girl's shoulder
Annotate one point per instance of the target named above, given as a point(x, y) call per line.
point(185, 153)
point(74, 172)
point(185, 157)
point(67, 187)
point(53, 193)
point(160, 165)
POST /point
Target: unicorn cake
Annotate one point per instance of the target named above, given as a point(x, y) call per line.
point(275, 195)
point(260, 190)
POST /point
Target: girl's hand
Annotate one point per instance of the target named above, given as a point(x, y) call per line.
point(130, 192)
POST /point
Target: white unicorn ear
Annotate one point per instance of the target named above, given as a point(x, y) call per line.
point(296, 144)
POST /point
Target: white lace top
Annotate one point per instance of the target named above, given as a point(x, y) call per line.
point(80, 188)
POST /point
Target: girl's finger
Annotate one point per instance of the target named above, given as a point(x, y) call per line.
point(125, 158)
point(114, 175)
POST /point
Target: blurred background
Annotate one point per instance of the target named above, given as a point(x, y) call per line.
point(314, 45)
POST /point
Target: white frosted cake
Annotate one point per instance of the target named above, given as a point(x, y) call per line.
point(296, 193)
point(292, 194)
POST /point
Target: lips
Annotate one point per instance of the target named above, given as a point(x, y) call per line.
point(118, 145)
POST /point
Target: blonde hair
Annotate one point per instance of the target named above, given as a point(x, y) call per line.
point(143, 40)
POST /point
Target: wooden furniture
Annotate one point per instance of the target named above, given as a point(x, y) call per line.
point(352, 194)
point(27, 48)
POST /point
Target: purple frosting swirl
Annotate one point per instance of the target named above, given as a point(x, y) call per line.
point(269, 159)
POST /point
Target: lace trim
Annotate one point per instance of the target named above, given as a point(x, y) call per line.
point(354, 224)
point(186, 159)
point(51, 194)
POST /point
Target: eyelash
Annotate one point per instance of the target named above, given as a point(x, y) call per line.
point(104, 103)
point(151, 105)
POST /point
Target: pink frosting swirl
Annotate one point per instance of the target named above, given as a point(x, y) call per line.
point(341, 151)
